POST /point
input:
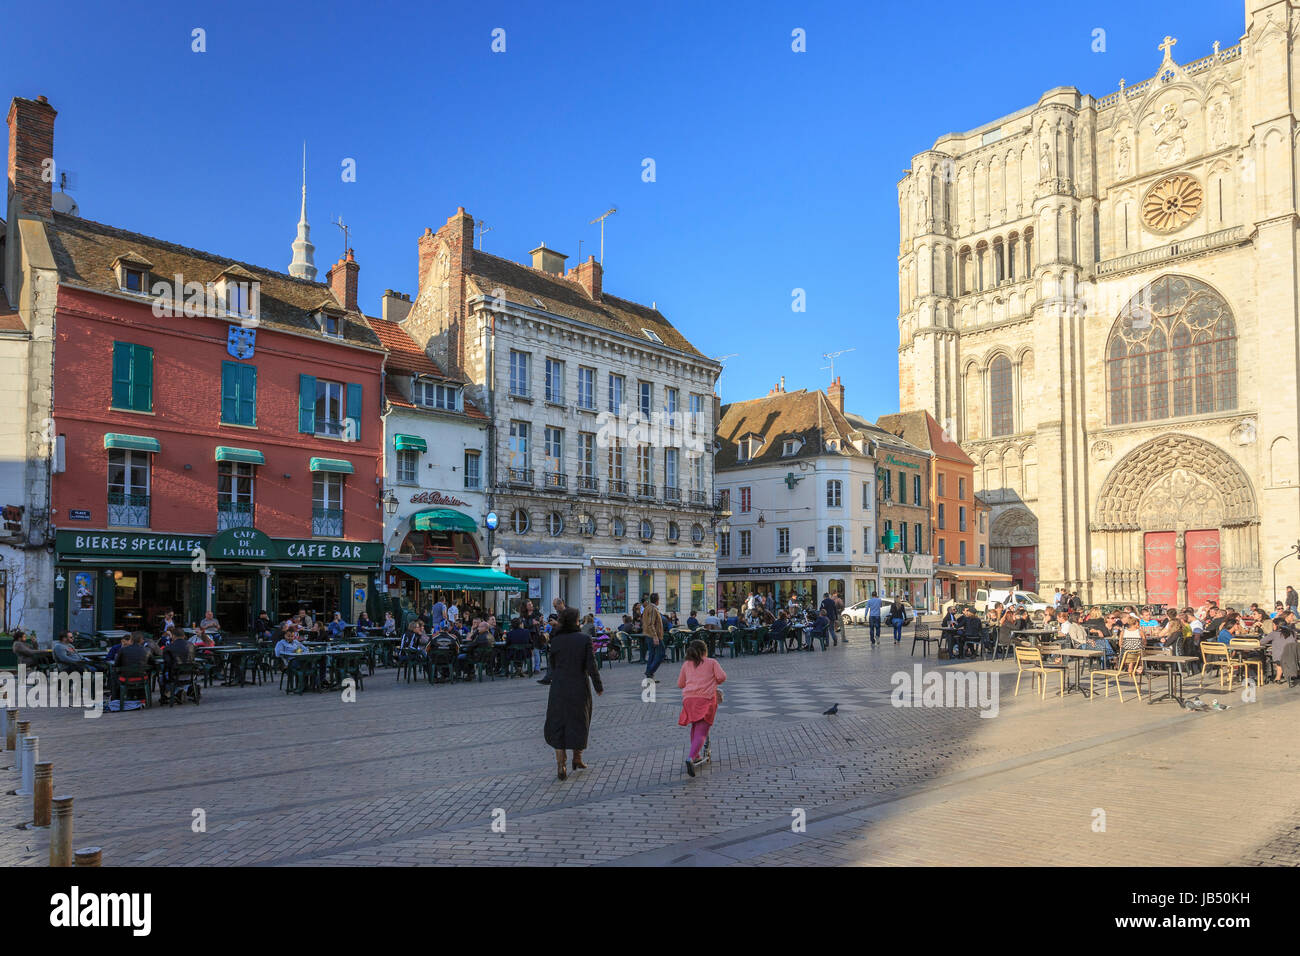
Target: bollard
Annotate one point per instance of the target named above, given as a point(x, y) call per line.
point(11, 728)
point(24, 727)
point(28, 766)
point(90, 856)
point(61, 832)
point(43, 793)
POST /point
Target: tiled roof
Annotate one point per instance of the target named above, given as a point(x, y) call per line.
point(403, 354)
point(11, 321)
point(804, 415)
point(922, 430)
point(85, 251)
point(395, 396)
point(562, 296)
point(874, 432)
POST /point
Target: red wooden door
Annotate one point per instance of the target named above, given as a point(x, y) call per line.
point(1161, 560)
point(1024, 566)
point(1203, 577)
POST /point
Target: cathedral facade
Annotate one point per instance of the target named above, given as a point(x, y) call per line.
point(1098, 299)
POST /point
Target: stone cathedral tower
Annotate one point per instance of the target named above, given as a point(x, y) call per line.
point(1098, 299)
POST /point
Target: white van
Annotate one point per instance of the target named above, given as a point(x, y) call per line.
point(1029, 600)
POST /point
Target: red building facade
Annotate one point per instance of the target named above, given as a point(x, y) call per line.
point(222, 454)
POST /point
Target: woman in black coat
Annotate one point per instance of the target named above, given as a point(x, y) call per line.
point(568, 712)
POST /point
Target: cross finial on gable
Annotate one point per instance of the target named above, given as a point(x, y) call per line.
point(1168, 47)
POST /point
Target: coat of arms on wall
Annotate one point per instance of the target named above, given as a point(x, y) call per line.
point(240, 341)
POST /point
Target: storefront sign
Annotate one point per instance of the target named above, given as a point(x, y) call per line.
point(77, 514)
point(535, 588)
point(639, 552)
point(71, 544)
point(902, 464)
point(236, 544)
point(906, 565)
point(437, 498)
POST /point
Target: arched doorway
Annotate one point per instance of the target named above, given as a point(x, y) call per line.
point(1013, 541)
point(1177, 523)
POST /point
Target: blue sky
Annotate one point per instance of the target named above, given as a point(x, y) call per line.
point(775, 170)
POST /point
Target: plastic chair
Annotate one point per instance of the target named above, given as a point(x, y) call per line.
point(133, 684)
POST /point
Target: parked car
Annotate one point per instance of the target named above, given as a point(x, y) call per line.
point(1029, 600)
point(857, 613)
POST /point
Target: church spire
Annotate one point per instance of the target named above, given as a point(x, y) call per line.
point(302, 266)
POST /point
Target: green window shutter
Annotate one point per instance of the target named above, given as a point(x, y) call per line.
point(141, 378)
point(307, 404)
point(121, 375)
point(354, 410)
point(248, 395)
point(230, 393)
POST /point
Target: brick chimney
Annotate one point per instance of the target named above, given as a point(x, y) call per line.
point(31, 148)
point(458, 235)
point(590, 276)
point(342, 279)
point(836, 394)
point(778, 388)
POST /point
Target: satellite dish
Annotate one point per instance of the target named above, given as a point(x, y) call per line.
point(63, 203)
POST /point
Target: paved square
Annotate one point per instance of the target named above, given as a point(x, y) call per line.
point(417, 774)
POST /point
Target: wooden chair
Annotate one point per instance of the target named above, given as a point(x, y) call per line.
point(1127, 667)
point(1029, 660)
point(1249, 645)
point(1215, 654)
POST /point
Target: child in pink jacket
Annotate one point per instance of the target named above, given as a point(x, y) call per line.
point(699, 680)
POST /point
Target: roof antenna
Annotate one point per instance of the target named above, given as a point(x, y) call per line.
point(347, 232)
point(832, 356)
point(483, 229)
point(601, 219)
point(722, 360)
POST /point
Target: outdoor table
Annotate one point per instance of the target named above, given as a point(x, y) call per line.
point(1075, 655)
point(1033, 634)
point(232, 654)
point(1172, 671)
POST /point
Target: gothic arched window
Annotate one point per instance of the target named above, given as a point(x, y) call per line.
point(1172, 352)
point(1000, 418)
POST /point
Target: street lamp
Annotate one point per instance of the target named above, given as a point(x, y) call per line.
point(1295, 549)
point(391, 504)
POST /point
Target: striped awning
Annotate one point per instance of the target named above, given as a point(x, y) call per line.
point(249, 456)
point(335, 465)
point(410, 443)
point(132, 442)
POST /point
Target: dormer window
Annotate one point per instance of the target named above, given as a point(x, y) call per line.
point(132, 274)
point(652, 335)
point(237, 292)
point(330, 323)
point(748, 447)
point(437, 395)
point(790, 447)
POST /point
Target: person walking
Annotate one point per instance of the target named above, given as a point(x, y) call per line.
point(1292, 600)
point(699, 679)
point(897, 618)
point(568, 709)
point(652, 626)
point(832, 612)
point(873, 616)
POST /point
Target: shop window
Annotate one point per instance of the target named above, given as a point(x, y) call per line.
point(613, 591)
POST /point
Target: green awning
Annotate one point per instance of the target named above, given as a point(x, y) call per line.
point(331, 464)
point(249, 456)
point(467, 577)
point(132, 442)
point(410, 443)
point(443, 519)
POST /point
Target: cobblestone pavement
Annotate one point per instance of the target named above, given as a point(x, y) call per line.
point(417, 774)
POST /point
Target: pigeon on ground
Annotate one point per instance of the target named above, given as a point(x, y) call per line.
point(835, 709)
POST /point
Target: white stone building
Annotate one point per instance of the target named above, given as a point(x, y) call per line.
point(600, 420)
point(1099, 296)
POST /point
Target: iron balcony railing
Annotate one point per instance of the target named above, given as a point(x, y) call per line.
point(618, 487)
point(644, 490)
point(234, 514)
point(128, 511)
point(588, 484)
point(522, 477)
point(327, 522)
point(555, 480)
point(673, 496)
point(699, 498)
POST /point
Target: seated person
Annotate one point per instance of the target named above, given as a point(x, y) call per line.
point(27, 654)
point(68, 659)
point(390, 625)
point(336, 627)
point(210, 624)
point(289, 645)
point(820, 629)
point(1281, 646)
point(263, 629)
point(779, 631)
point(732, 619)
point(134, 656)
point(969, 627)
point(479, 637)
point(711, 620)
point(953, 618)
point(364, 622)
point(116, 649)
point(693, 622)
point(178, 651)
point(444, 647)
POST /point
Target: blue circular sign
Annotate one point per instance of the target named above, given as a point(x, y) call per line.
point(492, 520)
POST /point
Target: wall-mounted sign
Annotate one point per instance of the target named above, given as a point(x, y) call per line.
point(436, 498)
point(241, 543)
point(149, 545)
point(535, 588)
point(901, 464)
point(491, 520)
point(79, 514)
point(906, 565)
point(638, 552)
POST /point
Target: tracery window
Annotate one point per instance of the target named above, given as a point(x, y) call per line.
point(1172, 352)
